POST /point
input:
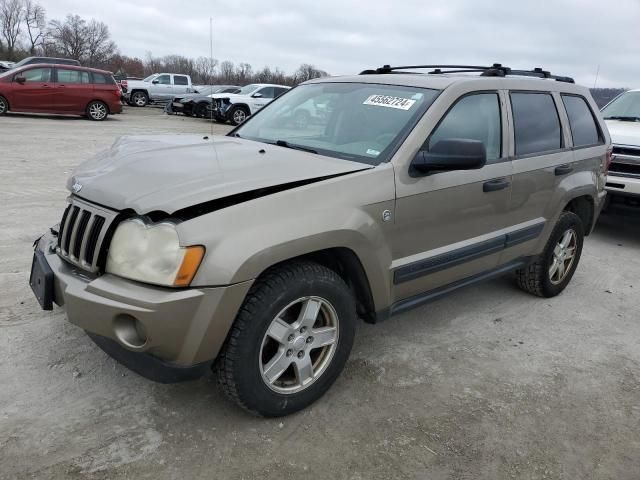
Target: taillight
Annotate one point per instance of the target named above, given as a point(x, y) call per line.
point(123, 83)
point(608, 159)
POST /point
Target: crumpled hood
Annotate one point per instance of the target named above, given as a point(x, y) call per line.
point(624, 133)
point(228, 95)
point(172, 172)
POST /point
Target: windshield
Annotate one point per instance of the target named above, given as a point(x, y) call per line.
point(355, 121)
point(150, 77)
point(626, 105)
point(248, 89)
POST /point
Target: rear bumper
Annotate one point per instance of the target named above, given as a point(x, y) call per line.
point(178, 331)
point(115, 108)
point(627, 186)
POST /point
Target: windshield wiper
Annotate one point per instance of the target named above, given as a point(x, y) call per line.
point(624, 118)
point(285, 144)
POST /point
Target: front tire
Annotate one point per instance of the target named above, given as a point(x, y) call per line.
point(139, 99)
point(290, 340)
point(97, 111)
point(4, 105)
point(552, 271)
point(238, 115)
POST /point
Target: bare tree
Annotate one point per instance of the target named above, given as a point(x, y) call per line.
point(11, 14)
point(100, 47)
point(69, 36)
point(307, 72)
point(34, 19)
point(205, 68)
point(227, 70)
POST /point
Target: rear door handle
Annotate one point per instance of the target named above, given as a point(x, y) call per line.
point(495, 185)
point(563, 170)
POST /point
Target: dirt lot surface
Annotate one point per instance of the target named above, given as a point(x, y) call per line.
point(489, 383)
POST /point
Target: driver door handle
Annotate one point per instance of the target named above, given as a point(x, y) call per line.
point(495, 185)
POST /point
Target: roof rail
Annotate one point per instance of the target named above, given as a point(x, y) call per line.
point(495, 70)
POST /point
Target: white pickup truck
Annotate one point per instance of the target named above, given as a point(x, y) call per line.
point(156, 88)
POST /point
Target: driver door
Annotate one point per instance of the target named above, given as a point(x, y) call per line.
point(449, 225)
point(261, 98)
point(162, 87)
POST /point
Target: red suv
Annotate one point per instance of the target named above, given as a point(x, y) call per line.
point(60, 89)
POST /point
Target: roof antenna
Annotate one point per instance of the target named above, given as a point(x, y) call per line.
point(213, 142)
point(597, 73)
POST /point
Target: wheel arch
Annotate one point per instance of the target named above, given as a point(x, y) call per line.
point(6, 99)
point(584, 207)
point(346, 263)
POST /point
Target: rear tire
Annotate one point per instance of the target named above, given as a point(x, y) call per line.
point(139, 99)
point(97, 111)
point(552, 271)
point(290, 340)
point(4, 105)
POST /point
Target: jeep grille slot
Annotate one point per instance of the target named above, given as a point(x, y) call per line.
point(82, 232)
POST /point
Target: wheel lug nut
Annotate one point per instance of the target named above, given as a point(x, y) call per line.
point(289, 353)
point(300, 354)
point(291, 337)
point(303, 329)
point(309, 339)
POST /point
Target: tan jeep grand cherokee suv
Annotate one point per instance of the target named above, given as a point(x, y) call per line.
point(255, 253)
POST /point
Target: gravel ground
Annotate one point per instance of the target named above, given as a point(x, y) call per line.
point(489, 383)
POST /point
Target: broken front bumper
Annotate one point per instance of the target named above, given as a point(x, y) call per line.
point(152, 330)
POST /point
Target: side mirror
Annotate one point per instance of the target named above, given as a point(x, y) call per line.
point(155, 82)
point(449, 154)
point(256, 95)
point(20, 80)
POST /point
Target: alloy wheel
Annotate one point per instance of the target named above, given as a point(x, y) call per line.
point(3, 106)
point(239, 116)
point(299, 345)
point(564, 254)
point(97, 111)
point(139, 100)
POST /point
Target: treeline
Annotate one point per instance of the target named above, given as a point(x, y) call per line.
point(602, 96)
point(26, 31)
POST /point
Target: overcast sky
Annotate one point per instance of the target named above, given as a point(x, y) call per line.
point(569, 37)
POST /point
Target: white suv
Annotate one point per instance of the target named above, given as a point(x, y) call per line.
point(237, 107)
point(622, 116)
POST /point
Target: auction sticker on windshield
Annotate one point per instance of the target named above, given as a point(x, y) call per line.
point(389, 101)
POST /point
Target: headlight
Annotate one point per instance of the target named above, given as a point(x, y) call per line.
point(152, 254)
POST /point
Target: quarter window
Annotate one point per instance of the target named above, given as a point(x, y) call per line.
point(536, 123)
point(36, 75)
point(180, 80)
point(72, 76)
point(475, 117)
point(583, 126)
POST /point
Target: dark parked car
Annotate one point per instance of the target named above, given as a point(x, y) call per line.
point(59, 89)
point(57, 61)
point(195, 104)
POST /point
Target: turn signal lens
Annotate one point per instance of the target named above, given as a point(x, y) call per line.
point(190, 263)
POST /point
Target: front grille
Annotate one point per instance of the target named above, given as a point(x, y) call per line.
point(626, 162)
point(82, 232)
point(634, 152)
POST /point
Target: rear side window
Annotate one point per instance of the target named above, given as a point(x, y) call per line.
point(36, 75)
point(475, 117)
point(72, 76)
point(536, 123)
point(583, 125)
point(180, 80)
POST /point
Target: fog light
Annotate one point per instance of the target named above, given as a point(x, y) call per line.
point(130, 331)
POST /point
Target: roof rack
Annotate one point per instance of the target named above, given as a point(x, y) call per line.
point(495, 70)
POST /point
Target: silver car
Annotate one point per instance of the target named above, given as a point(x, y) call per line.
point(256, 253)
